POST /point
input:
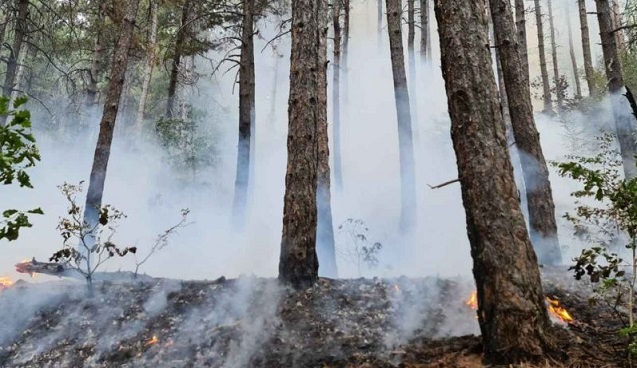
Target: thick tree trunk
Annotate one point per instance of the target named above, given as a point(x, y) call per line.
point(405, 140)
point(150, 65)
point(586, 47)
point(336, 95)
point(511, 312)
point(19, 36)
point(246, 113)
point(424, 30)
point(571, 48)
point(97, 65)
point(556, 71)
point(107, 124)
point(325, 247)
point(182, 35)
point(546, 87)
point(623, 121)
point(536, 175)
point(298, 263)
point(520, 23)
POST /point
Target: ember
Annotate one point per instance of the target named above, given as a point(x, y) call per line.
point(5, 283)
point(472, 302)
point(558, 311)
point(152, 341)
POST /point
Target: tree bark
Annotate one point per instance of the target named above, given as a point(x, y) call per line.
point(424, 30)
point(107, 124)
point(571, 47)
point(617, 22)
point(182, 35)
point(511, 312)
point(405, 139)
point(623, 121)
point(325, 247)
point(345, 53)
point(298, 264)
point(150, 65)
point(520, 23)
point(556, 72)
point(586, 47)
point(20, 33)
point(97, 66)
point(411, 55)
point(246, 113)
point(536, 175)
point(336, 95)
point(546, 88)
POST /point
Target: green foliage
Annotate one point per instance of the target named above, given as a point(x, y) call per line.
point(18, 152)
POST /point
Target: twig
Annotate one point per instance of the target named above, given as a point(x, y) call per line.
point(443, 184)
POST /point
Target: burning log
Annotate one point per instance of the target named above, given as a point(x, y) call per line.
point(47, 268)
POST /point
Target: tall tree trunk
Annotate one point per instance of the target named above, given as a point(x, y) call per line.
point(405, 140)
point(546, 87)
point(424, 29)
point(298, 264)
point(379, 22)
point(107, 124)
point(345, 52)
point(586, 47)
point(617, 22)
point(411, 55)
point(536, 175)
point(623, 121)
point(19, 36)
point(150, 65)
point(520, 23)
point(511, 312)
point(19, 73)
point(182, 35)
point(336, 95)
point(97, 66)
point(571, 47)
point(559, 93)
point(246, 113)
point(325, 247)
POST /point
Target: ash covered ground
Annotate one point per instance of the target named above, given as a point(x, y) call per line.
point(254, 322)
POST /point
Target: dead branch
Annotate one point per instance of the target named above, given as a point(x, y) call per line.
point(443, 184)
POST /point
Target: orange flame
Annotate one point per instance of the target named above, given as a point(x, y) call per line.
point(5, 282)
point(558, 311)
point(153, 340)
point(472, 302)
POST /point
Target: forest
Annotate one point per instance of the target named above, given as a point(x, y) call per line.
point(318, 183)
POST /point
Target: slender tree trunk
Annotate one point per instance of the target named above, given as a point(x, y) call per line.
point(4, 22)
point(246, 113)
point(411, 55)
point(273, 91)
point(556, 72)
point(182, 35)
point(424, 29)
point(19, 73)
point(617, 22)
point(520, 23)
point(571, 47)
point(97, 65)
point(536, 175)
point(405, 140)
point(150, 65)
point(107, 124)
point(379, 23)
point(298, 263)
point(546, 88)
point(325, 247)
point(336, 95)
point(511, 312)
point(586, 47)
point(623, 121)
point(345, 52)
point(19, 36)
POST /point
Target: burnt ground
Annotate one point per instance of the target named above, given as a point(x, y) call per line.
point(253, 322)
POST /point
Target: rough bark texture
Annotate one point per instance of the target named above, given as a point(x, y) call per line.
point(617, 22)
point(405, 140)
point(424, 30)
point(107, 124)
point(511, 312)
point(298, 264)
point(246, 113)
point(182, 35)
point(150, 65)
point(571, 48)
point(623, 121)
point(556, 70)
point(586, 47)
point(336, 95)
point(325, 248)
point(411, 24)
point(520, 23)
point(19, 36)
point(546, 87)
point(534, 169)
point(97, 63)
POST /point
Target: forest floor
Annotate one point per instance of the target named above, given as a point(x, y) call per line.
point(253, 322)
